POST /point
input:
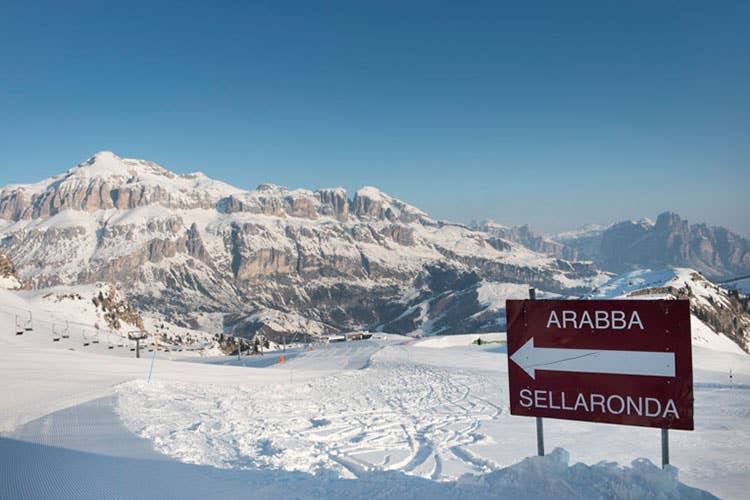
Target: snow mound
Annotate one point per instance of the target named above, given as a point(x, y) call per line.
point(10, 283)
point(551, 477)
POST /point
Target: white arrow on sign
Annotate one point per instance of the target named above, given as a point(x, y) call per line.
point(530, 358)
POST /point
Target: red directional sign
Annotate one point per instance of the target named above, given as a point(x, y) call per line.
point(617, 361)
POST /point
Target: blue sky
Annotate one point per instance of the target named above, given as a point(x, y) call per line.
point(556, 114)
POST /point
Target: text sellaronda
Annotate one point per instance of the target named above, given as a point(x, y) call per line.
point(614, 404)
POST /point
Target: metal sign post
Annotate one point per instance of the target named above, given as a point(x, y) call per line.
point(664, 448)
point(539, 422)
point(539, 436)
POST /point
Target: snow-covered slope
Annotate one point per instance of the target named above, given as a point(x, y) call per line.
point(379, 418)
point(269, 258)
point(741, 285)
point(718, 314)
point(91, 318)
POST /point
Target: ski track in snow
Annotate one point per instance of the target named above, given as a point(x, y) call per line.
point(430, 413)
point(349, 423)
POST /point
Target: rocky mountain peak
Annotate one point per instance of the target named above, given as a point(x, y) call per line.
point(370, 202)
point(104, 159)
point(108, 166)
point(271, 188)
point(670, 221)
point(106, 181)
point(671, 240)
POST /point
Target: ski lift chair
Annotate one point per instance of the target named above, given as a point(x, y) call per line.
point(66, 332)
point(19, 329)
point(55, 334)
point(29, 326)
point(86, 341)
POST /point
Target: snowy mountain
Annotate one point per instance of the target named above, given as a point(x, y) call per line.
point(530, 238)
point(717, 313)
point(716, 252)
point(271, 259)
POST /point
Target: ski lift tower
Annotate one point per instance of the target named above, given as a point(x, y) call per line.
point(137, 335)
point(259, 339)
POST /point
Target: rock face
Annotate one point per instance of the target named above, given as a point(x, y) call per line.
point(531, 239)
point(671, 241)
point(272, 259)
point(117, 312)
point(8, 276)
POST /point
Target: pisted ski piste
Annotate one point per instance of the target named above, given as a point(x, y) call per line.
point(613, 361)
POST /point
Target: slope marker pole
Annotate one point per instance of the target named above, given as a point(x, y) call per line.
point(156, 348)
